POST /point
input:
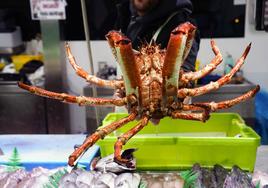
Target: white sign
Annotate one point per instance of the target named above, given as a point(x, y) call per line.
point(239, 2)
point(48, 9)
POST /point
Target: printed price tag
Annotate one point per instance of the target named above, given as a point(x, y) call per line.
point(48, 9)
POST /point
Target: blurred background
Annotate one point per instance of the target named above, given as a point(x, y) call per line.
point(32, 49)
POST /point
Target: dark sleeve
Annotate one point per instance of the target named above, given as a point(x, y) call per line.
point(123, 16)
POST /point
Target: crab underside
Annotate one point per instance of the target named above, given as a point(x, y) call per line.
point(153, 86)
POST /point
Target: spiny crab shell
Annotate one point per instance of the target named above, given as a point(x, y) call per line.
point(152, 74)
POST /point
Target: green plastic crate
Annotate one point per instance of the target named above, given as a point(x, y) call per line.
point(177, 144)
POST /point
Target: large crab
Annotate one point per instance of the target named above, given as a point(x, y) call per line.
point(153, 86)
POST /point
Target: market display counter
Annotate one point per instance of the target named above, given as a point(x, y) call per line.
point(42, 150)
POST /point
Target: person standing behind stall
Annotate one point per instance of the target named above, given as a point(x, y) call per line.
point(146, 20)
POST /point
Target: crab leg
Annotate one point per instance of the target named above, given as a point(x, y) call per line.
point(99, 134)
point(89, 78)
point(192, 107)
point(202, 116)
point(81, 100)
point(180, 38)
point(190, 76)
point(112, 37)
point(182, 93)
point(213, 106)
point(122, 48)
point(122, 140)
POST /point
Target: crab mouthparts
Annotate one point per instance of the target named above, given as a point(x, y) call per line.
point(155, 121)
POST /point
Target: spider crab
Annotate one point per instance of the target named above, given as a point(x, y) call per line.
point(153, 86)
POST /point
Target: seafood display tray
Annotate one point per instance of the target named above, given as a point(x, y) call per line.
point(48, 151)
point(174, 144)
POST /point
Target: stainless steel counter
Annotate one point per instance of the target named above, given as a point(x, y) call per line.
point(91, 122)
point(24, 113)
point(20, 111)
point(246, 109)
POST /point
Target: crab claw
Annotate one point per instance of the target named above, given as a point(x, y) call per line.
point(127, 159)
point(109, 164)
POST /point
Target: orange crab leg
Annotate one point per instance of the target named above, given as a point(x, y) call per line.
point(191, 116)
point(176, 52)
point(122, 49)
point(192, 107)
point(182, 93)
point(89, 78)
point(122, 140)
point(229, 103)
point(190, 76)
point(81, 100)
point(99, 134)
point(128, 64)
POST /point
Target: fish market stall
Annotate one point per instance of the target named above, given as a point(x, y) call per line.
point(182, 126)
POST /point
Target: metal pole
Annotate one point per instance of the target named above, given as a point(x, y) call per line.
point(57, 113)
point(87, 36)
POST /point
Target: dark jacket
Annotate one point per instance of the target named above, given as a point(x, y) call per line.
point(141, 29)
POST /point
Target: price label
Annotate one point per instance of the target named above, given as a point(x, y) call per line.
point(48, 9)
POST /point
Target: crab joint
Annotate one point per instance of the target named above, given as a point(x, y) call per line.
point(122, 140)
point(131, 99)
point(101, 133)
